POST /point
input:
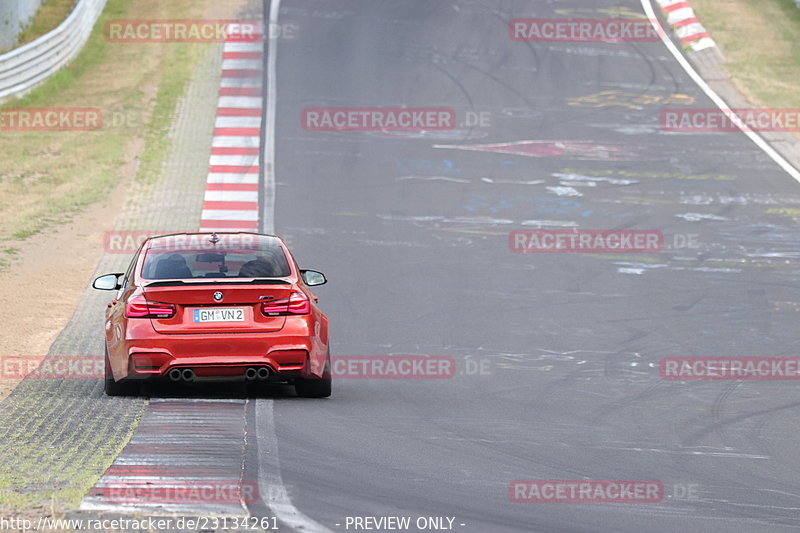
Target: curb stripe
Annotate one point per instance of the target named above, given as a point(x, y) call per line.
point(237, 132)
point(231, 197)
point(249, 65)
point(227, 224)
point(695, 37)
point(687, 26)
point(241, 73)
point(686, 22)
point(233, 46)
point(233, 161)
point(232, 185)
point(237, 141)
point(239, 112)
point(240, 91)
point(240, 82)
point(231, 215)
point(230, 206)
point(242, 55)
point(234, 150)
point(233, 169)
point(237, 122)
point(674, 6)
point(232, 178)
point(239, 101)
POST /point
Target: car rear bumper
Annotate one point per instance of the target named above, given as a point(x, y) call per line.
point(295, 351)
point(222, 356)
point(146, 364)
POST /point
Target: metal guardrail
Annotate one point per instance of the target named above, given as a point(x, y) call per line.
point(29, 65)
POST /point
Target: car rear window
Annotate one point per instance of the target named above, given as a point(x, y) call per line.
point(193, 256)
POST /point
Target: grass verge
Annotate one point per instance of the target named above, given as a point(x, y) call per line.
point(61, 437)
point(47, 177)
point(77, 452)
point(760, 40)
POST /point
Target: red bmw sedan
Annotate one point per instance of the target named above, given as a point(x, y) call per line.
point(204, 306)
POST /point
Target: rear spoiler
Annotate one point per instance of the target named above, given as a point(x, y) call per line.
point(216, 281)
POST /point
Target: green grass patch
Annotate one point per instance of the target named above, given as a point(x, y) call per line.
point(50, 14)
point(760, 40)
point(48, 177)
point(179, 67)
point(58, 463)
point(54, 444)
point(93, 53)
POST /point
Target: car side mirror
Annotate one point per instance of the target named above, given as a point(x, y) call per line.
point(109, 282)
point(313, 278)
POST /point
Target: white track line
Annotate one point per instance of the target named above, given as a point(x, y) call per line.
point(760, 142)
point(266, 435)
point(270, 483)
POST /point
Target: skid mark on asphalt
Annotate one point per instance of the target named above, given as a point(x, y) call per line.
point(568, 149)
point(185, 457)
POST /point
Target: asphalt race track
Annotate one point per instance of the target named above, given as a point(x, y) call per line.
point(556, 354)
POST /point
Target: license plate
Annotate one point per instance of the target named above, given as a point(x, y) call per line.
point(225, 314)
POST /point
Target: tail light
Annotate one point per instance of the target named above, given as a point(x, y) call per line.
point(138, 307)
point(296, 304)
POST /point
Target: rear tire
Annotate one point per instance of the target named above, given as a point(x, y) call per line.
point(117, 388)
point(316, 387)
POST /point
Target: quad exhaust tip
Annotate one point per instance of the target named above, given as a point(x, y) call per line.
point(176, 374)
point(251, 374)
point(254, 373)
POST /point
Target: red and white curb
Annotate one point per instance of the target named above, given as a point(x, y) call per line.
point(683, 20)
point(184, 457)
point(231, 199)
